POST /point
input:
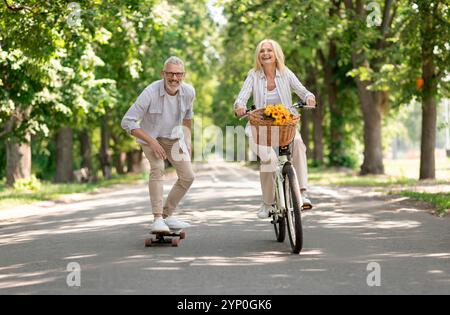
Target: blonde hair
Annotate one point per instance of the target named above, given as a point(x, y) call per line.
point(279, 55)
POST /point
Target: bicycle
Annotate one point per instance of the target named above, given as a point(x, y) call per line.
point(288, 199)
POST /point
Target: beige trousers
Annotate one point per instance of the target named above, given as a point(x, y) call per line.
point(182, 163)
point(269, 161)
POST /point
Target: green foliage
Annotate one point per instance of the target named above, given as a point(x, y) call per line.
point(85, 60)
point(27, 184)
point(76, 65)
point(419, 21)
point(304, 30)
point(42, 153)
point(440, 200)
point(344, 161)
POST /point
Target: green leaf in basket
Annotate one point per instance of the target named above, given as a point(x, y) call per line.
point(267, 117)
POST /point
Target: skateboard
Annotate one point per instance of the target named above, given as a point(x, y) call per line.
point(172, 237)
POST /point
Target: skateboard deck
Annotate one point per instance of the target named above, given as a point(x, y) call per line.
point(172, 237)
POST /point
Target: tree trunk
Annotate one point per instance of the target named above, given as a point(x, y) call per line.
point(64, 155)
point(134, 161)
point(105, 155)
point(18, 153)
point(119, 161)
point(304, 130)
point(371, 109)
point(317, 118)
point(18, 160)
point(337, 150)
point(318, 115)
point(119, 157)
point(429, 114)
point(86, 150)
point(371, 102)
point(447, 129)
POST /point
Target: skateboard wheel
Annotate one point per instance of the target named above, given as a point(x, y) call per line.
point(183, 235)
point(148, 242)
point(175, 242)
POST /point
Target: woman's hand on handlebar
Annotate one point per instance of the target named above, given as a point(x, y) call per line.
point(240, 111)
point(311, 101)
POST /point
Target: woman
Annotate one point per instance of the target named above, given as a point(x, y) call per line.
point(271, 82)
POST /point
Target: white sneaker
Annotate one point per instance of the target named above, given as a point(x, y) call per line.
point(176, 224)
point(159, 226)
point(306, 202)
point(265, 210)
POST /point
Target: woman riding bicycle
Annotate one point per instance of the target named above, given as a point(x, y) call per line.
point(271, 82)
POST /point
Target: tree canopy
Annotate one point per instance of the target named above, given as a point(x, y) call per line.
point(71, 70)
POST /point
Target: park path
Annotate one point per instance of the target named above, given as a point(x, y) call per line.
point(228, 250)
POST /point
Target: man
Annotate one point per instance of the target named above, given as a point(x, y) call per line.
point(157, 119)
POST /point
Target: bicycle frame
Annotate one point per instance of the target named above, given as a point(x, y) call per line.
point(279, 184)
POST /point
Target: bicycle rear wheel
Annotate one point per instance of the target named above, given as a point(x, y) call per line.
point(292, 199)
point(279, 225)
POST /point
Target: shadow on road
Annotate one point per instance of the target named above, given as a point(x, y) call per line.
point(227, 247)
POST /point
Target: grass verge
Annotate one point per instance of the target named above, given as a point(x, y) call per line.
point(346, 177)
point(50, 191)
point(440, 200)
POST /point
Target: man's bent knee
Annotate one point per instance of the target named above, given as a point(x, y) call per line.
point(187, 180)
point(156, 174)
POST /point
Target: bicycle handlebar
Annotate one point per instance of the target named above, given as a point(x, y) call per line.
point(298, 105)
point(302, 104)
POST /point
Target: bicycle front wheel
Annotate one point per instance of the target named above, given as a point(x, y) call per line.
point(292, 199)
point(279, 225)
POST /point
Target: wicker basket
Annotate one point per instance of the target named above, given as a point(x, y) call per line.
point(266, 134)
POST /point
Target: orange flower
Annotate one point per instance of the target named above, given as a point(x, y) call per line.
point(280, 115)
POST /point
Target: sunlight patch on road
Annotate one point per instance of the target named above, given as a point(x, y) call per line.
point(414, 255)
point(396, 200)
point(343, 220)
point(220, 217)
point(246, 186)
point(15, 280)
point(408, 210)
point(280, 276)
point(404, 224)
point(18, 266)
point(116, 215)
point(327, 192)
point(80, 256)
point(312, 252)
point(259, 259)
point(25, 236)
point(23, 275)
point(19, 284)
point(435, 272)
point(162, 268)
point(325, 206)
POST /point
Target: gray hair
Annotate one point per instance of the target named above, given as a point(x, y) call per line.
point(173, 60)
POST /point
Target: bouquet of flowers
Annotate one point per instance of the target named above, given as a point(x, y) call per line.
point(280, 115)
point(274, 125)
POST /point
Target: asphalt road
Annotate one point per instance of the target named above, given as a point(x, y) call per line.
point(228, 250)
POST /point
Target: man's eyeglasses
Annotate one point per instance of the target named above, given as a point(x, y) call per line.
point(171, 74)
